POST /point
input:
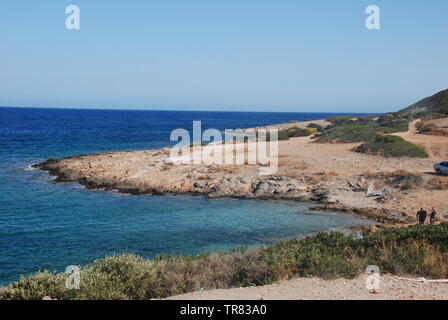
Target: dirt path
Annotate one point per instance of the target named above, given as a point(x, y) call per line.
point(391, 288)
point(436, 146)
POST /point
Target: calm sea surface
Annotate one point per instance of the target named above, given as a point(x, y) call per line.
point(48, 227)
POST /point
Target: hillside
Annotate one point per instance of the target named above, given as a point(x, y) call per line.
point(435, 103)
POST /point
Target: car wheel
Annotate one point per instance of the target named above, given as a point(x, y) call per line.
point(439, 171)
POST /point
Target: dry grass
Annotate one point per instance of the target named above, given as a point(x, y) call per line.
point(312, 178)
point(325, 175)
point(427, 258)
point(293, 172)
point(223, 169)
point(430, 128)
point(179, 275)
point(438, 183)
point(292, 175)
point(401, 179)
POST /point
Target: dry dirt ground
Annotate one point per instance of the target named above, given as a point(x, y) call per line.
point(391, 288)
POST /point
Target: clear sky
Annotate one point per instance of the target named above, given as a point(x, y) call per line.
point(249, 55)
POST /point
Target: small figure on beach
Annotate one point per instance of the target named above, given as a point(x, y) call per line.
point(432, 217)
point(421, 216)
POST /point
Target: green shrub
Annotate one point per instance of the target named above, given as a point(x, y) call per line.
point(345, 129)
point(311, 129)
point(326, 255)
point(340, 120)
point(395, 125)
point(318, 127)
point(301, 132)
point(392, 146)
point(118, 277)
point(283, 135)
point(418, 251)
point(353, 132)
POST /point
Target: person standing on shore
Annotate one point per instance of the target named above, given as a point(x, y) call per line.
point(432, 217)
point(421, 216)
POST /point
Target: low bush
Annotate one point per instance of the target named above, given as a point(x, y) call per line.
point(391, 146)
point(431, 129)
point(301, 132)
point(345, 129)
point(418, 250)
point(285, 134)
point(316, 126)
point(340, 120)
point(393, 122)
point(394, 125)
point(353, 132)
point(282, 135)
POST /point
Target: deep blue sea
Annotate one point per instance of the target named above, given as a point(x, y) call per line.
point(44, 226)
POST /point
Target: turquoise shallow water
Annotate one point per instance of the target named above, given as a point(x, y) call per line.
point(47, 226)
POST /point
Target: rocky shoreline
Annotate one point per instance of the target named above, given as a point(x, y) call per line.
point(248, 187)
point(270, 188)
point(329, 174)
point(151, 173)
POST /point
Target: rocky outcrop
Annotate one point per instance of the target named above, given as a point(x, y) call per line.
point(245, 185)
point(331, 174)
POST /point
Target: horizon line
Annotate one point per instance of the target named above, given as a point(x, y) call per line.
point(187, 110)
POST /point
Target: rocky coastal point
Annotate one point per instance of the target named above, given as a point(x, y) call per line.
point(327, 173)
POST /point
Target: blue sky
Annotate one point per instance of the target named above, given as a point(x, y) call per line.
point(248, 55)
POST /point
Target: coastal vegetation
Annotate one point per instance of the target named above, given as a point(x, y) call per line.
point(347, 129)
point(318, 127)
point(301, 132)
point(416, 251)
point(340, 120)
point(286, 134)
point(391, 146)
point(374, 132)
